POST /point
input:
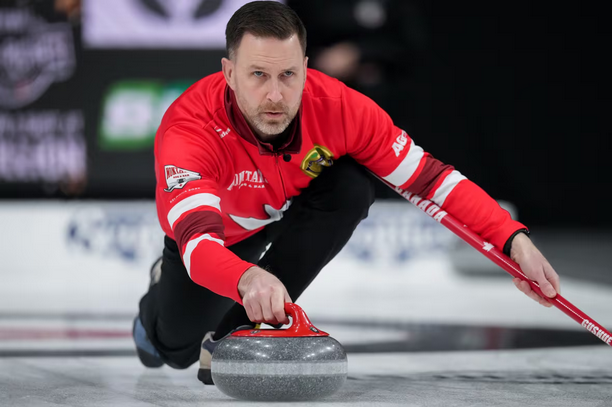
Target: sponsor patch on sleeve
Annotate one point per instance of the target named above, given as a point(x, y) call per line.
point(176, 177)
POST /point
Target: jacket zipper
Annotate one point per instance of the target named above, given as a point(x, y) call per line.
point(280, 175)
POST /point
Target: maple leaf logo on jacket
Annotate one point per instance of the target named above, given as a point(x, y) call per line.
point(177, 177)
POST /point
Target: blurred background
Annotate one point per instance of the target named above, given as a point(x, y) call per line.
point(515, 95)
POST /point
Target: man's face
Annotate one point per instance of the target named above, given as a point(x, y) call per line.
point(268, 77)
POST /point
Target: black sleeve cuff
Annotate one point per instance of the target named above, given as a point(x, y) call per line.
point(508, 244)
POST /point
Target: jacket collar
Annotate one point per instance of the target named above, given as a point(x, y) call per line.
point(292, 145)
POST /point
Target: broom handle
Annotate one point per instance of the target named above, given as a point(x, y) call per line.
point(499, 258)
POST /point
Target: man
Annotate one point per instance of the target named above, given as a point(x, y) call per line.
point(269, 154)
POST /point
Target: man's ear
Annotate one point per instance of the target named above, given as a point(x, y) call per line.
point(229, 72)
point(305, 68)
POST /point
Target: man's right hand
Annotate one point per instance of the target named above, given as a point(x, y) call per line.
point(263, 296)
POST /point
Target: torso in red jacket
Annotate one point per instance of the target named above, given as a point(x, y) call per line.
point(217, 184)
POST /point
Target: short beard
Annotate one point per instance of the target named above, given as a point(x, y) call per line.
point(267, 132)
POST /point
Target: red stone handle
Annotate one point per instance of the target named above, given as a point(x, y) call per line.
point(300, 327)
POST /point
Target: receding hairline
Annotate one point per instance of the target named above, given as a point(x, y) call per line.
point(232, 50)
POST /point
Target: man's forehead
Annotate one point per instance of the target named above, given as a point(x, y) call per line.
point(263, 51)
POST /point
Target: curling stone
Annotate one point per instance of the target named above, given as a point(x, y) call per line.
point(297, 363)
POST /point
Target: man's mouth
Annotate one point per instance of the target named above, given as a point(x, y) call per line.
point(274, 114)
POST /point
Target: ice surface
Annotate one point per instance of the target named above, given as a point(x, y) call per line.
point(553, 377)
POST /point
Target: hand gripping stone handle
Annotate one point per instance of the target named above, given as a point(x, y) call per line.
point(301, 326)
point(499, 258)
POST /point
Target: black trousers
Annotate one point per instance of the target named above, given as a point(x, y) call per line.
point(177, 313)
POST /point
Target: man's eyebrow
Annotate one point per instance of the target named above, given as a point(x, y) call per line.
point(259, 68)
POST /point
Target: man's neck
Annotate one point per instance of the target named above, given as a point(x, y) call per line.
point(277, 140)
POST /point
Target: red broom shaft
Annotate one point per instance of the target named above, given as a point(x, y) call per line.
point(503, 261)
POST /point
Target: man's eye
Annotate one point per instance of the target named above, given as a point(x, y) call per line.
point(288, 73)
point(259, 74)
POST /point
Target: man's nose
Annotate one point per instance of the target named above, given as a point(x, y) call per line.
point(274, 94)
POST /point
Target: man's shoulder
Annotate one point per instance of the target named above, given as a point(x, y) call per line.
point(199, 103)
point(320, 85)
point(196, 120)
point(210, 87)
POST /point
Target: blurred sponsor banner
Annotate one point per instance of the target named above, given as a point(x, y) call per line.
point(42, 136)
point(132, 110)
point(125, 235)
point(76, 257)
point(91, 235)
point(397, 232)
point(157, 23)
point(128, 232)
point(97, 235)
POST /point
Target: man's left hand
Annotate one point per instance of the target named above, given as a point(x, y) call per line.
point(536, 267)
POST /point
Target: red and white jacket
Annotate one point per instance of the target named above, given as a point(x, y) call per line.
point(217, 184)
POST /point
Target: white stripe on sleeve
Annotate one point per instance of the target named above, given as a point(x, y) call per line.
point(190, 203)
point(407, 167)
point(190, 247)
point(449, 183)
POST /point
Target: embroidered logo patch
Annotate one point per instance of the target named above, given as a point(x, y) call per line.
point(176, 177)
point(316, 159)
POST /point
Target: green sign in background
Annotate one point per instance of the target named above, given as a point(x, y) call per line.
point(132, 110)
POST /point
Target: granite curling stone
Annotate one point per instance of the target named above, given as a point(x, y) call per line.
point(297, 363)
